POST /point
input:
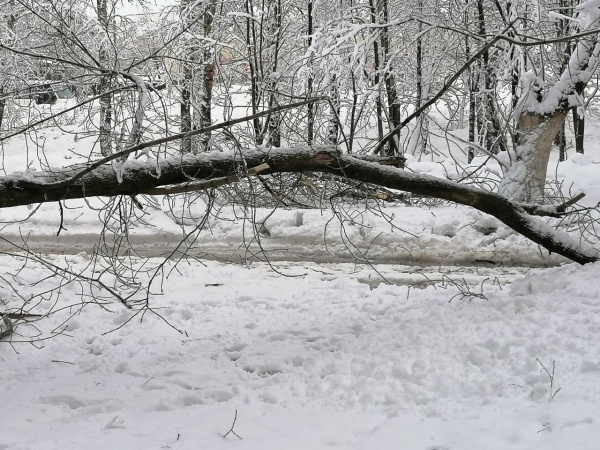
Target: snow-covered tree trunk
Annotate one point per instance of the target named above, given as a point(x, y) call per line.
point(471, 86)
point(333, 124)
point(542, 116)
point(526, 178)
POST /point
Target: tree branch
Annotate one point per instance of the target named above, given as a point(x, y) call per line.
point(80, 173)
point(138, 177)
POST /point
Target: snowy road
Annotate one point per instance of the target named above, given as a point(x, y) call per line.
point(172, 245)
point(298, 261)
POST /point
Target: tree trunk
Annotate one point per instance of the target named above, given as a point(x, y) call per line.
point(253, 68)
point(563, 51)
point(310, 131)
point(377, 80)
point(419, 137)
point(189, 55)
point(208, 75)
point(561, 142)
point(198, 74)
point(185, 101)
point(490, 129)
point(353, 115)
point(394, 118)
point(105, 137)
point(472, 86)
point(2, 108)
point(526, 179)
point(333, 126)
point(273, 43)
point(539, 124)
point(579, 129)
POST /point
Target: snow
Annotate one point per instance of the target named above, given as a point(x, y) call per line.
point(314, 350)
point(312, 362)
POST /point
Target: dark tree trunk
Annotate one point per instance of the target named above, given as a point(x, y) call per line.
point(273, 43)
point(208, 76)
point(310, 131)
point(377, 80)
point(561, 142)
point(394, 118)
point(185, 102)
point(353, 117)
point(2, 108)
point(418, 142)
point(472, 85)
point(105, 126)
point(253, 67)
point(579, 128)
point(490, 129)
point(198, 74)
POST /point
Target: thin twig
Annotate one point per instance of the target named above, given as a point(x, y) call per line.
point(231, 429)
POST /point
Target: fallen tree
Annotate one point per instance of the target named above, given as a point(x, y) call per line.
point(207, 170)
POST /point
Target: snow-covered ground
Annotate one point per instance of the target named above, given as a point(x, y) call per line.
point(319, 351)
point(313, 363)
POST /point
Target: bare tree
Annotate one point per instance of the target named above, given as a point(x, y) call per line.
point(198, 71)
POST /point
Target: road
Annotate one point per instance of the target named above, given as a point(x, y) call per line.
point(417, 269)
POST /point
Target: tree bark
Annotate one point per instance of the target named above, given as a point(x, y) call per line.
point(490, 130)
point(376, 80)
point(472, 86)
point(105, 137)
point(333, 124)
point(394, 116)
point(542, 119)
point(418, 140)
point(253, 70)
point(526, 179)
point(273, 42)
point(198, 74)
point(138, 178)
point(2, 107)
point(579, 129)
point(310, 130)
